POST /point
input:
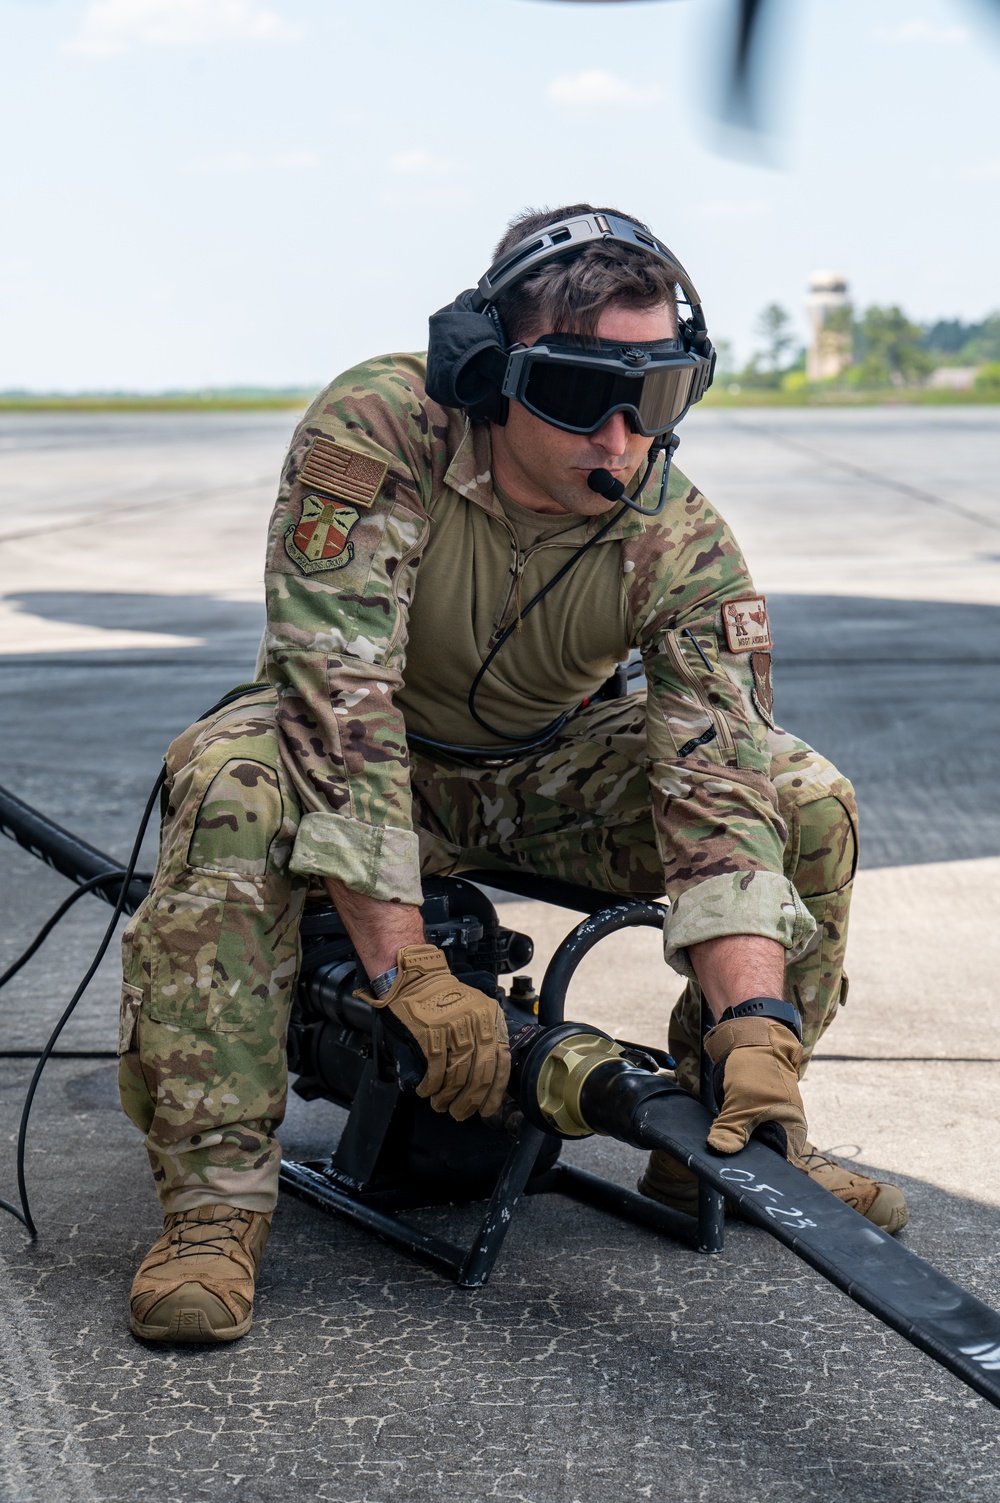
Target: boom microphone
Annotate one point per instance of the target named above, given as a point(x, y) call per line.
point(605, 484)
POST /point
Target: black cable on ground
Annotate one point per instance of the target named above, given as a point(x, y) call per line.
point(24, 1213)
point(58, 1054)
point(50, 923)
point(125, 876)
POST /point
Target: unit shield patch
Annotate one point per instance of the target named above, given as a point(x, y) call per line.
point(746, 625)
point(320, 540)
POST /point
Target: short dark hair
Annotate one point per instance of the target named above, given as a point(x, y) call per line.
point(570, 294)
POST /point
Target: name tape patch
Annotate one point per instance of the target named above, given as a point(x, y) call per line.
point(746, 625)
point(338, 471)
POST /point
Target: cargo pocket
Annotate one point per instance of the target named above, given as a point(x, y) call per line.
point(209, 947)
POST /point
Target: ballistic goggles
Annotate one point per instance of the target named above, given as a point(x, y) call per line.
point(572, 382)
point(577, 383)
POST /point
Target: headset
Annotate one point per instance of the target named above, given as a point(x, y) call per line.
point(570, 381)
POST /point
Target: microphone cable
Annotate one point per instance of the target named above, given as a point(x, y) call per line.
point(604, 484)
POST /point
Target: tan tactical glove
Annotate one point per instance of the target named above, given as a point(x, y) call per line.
point(459, 1033)
point(756, 1082)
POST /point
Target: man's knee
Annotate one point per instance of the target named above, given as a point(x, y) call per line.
point(827, 842)
point(228, 807)
point(819, 809)
point(238, 820)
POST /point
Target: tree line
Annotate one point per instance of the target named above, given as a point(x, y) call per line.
point(885, 348)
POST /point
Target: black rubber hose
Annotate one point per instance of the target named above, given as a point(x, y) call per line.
point(880, 1274)
point(64, 852)
point(629, 913)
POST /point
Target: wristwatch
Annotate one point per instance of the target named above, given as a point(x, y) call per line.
point(766, 1007)
point(381, 985)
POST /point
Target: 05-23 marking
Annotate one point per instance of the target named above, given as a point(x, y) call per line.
point(787, 1215)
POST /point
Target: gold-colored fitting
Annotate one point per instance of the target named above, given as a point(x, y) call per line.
point(562, 1076)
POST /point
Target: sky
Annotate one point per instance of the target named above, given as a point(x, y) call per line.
point(262, 192)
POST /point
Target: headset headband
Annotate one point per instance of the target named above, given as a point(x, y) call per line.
point(567, 237)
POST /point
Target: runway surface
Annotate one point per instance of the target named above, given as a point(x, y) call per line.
point(600, 1360)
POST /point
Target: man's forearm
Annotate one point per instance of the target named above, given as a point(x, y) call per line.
point(736, 967)
point(377, 929)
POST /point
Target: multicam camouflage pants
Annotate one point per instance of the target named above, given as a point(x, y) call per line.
point(210, 958)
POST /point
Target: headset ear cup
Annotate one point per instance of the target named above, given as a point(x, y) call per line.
point(478, 381)
point(466, 360)
point(490, 409)
point(694, 337)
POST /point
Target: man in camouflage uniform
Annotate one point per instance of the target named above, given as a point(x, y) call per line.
point(405, 539)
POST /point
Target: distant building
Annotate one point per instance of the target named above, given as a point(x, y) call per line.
point(829, 308)
point(953, 377)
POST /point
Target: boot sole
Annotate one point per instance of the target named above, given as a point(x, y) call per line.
point(189, 1326)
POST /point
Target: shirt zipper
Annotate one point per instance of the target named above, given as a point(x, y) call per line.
point(506, 615)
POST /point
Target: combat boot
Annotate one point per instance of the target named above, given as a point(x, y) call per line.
point(196, 1283)
point(674, 1185)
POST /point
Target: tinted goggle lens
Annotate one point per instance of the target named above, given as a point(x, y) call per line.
point(582, 398)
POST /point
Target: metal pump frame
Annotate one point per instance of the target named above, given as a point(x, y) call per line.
point(331, 1187)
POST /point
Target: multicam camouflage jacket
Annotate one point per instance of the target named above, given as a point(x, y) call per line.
point(391, 569)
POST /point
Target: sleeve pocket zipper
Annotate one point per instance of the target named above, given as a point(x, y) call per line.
point(694, 679)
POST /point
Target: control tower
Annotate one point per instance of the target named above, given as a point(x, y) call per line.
point(829, 309)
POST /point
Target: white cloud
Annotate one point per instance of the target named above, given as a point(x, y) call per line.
point(110, 27)
point(983, 169)
point(922, 31)
point(597, 86)
point(730, 210)
point(419, 162)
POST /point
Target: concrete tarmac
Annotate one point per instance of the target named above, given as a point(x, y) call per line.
point(600, 1360)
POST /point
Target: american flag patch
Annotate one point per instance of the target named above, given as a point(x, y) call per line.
point(337, 471)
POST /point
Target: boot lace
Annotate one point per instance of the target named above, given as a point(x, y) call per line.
point(215, 1241)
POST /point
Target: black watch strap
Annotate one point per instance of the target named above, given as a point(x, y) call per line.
point(766, 1007)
